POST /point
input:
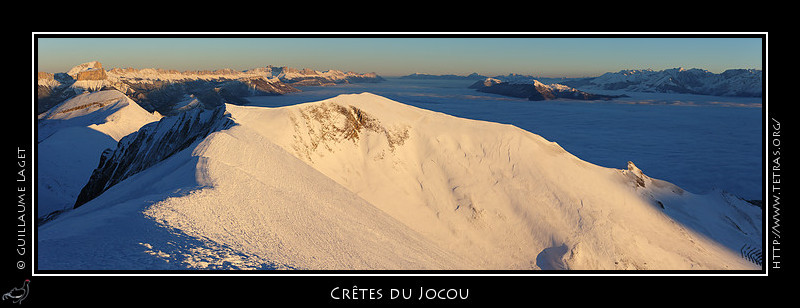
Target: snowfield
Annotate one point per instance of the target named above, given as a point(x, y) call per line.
point(362, 182)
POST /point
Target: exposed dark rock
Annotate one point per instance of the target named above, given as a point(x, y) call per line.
point(162, 95)
point(153, 143)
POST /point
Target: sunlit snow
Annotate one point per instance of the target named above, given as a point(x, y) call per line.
point(365, 182)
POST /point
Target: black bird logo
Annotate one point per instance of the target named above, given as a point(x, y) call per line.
point(18, 294)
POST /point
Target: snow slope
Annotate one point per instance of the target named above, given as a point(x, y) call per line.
point(70, 138)
point(500, 195)
point(363, 182)
point(233, 200)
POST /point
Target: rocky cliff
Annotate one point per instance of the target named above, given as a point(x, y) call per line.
point(93, 72)
point(150, 145)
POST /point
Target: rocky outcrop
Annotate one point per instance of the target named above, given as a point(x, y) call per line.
point(325, 126)
point(263, 87)
point(94, 65)
point(511, 89)
point(88, 71)
point(93, 74)
point(535, 90)
point(153, 143)
point(160, 95)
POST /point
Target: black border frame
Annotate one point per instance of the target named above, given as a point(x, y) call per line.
point(315, 285)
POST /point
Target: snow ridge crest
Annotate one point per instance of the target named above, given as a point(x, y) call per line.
point(153, 143)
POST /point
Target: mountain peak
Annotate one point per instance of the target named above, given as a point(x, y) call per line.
point(71, 137)
point(108, 111)
point(84, 67)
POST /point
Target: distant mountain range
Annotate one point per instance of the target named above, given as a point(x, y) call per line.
point(473, 76)
point(535, 90)
point(733, 82)
point(162, 90)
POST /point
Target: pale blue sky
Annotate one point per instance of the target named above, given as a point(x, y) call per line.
point(393, 56)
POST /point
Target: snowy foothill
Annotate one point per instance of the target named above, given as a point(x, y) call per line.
point(364, 182)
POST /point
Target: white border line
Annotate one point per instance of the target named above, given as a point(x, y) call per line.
point(477, 274)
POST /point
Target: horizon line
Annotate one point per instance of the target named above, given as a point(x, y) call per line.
point(402, 75)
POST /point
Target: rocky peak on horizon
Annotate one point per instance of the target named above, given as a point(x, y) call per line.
point(87, 66)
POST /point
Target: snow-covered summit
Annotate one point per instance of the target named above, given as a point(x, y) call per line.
point(109, 112)
point(83, 67)
point(70, 138)
point(466, 177)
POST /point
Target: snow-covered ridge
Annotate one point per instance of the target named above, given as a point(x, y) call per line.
point(483, 188)
point(364, 182)
point(733, 82)
point(109, 112)
point(70, 138)
point(151, 144)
